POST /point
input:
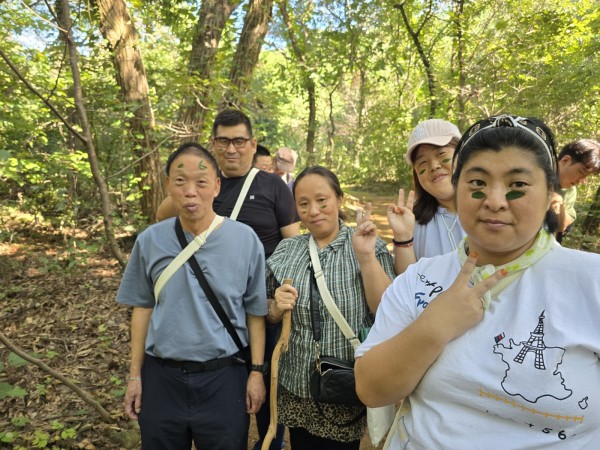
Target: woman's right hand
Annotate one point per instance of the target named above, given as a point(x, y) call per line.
point(285, 297)
point(460, 307)
point(401, 217)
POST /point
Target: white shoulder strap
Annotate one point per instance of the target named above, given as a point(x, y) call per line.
point(240, 200)
point(184, 255)
point(327, 298)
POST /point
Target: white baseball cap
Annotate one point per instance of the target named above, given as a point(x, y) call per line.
point(433, 131)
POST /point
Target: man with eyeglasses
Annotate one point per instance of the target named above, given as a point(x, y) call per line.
point(268, 209)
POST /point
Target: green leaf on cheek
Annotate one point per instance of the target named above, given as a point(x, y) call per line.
point(513, 195)
point(478, 195)
point(421, 172)
point(445, 161)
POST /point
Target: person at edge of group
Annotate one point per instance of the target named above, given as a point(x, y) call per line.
point(268, 209)
point(431, 205)
point(188, 380)
point(284, 165)
point(576, 161)
point(262, 159)
point(494, 345)
point(356, 279)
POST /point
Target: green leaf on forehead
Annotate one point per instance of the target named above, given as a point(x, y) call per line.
point(201, 165)
point(513, 195)
point(478, 195)
point(180, 166)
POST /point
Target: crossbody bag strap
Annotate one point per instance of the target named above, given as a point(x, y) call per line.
point(315, 317)
point(184, 255)
point(240, 200)
point(210, 294)
point(327, 298)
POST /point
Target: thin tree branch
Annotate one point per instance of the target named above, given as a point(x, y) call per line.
point(40, 17)
point(42, 365)
point(39, 95)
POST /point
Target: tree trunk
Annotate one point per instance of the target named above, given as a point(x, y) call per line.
point(212, 19)
point(256, 26)
point(415, 36)
point(64, 23)
point(117, 27)
point(308, 83)
point(462, 94)
point(591, 224)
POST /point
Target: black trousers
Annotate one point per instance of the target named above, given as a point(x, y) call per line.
point(206, 407)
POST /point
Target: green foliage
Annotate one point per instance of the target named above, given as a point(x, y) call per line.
point(20, 421)
point(40, 439)
point(10, 391)
point(523, 56)
point(8, 437)
point(15, 360)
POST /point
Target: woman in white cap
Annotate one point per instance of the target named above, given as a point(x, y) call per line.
point(426, 224)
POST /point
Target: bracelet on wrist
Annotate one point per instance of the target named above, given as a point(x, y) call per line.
point(270, 311)
point(408, 243)
point(134, 379)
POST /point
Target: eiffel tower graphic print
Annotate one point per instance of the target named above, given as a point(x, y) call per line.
point(535, 344)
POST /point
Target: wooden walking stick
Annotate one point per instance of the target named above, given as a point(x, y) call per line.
point(281, 346)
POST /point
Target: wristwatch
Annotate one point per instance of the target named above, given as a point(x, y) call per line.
point(262, 368)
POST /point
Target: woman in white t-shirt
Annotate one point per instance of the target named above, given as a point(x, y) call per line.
point(494, 345)
point(430, 227)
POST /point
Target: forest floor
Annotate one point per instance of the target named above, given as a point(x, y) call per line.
point(58, 305)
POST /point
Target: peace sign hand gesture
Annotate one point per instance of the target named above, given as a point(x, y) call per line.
point(460, 307)
point(365, 236)
point(401, 217)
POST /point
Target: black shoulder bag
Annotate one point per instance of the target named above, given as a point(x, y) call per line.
point(244, 352)
point(333, 379)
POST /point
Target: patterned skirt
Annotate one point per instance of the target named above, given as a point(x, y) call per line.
point(301, 412)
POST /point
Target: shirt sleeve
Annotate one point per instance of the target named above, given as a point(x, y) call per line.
point(255, 298)
point(394, 313)
point(285, 207)
point(570, 198)
point(137, 288)
point(385, 258)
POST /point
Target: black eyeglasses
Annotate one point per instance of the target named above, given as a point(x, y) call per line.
point(224, 143)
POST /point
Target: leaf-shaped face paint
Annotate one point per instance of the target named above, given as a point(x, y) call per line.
point(323, 206)
point(201, 165)
point(478, 195)
point(180, 166)
point(421, 172)
point(513, 195)
point(446, 161)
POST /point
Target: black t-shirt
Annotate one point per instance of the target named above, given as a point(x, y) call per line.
point(268, 206)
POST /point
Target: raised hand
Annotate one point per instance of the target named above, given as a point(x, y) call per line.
point(365, 235)
point(401, 218)
point(460, 307)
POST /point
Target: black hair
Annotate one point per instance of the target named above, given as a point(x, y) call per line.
point(331, 178)
point(426, 205)
point(194, 149)
point(584, 151)
point(482, 137)
point(231, 118)
point(261, 150)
